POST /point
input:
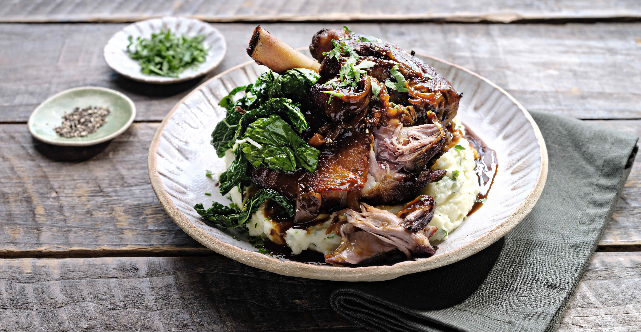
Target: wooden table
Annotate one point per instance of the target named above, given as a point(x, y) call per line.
point(85, 244)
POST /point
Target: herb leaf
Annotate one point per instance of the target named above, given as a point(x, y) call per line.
point(400, 85)
point(235, 175)
point(332, 94)
point(459, 147)
point(455, 174)
point(376, 90)
point(232, 217)
point(348, 29)
point(166, 54)
point(257, 102)
point(271, 141)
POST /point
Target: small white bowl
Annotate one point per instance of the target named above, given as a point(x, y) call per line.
point(118, 59)
point(48, 115)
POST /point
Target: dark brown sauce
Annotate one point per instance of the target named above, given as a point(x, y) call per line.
point(486, 168)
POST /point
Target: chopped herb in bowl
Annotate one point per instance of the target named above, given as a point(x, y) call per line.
point(167, 54)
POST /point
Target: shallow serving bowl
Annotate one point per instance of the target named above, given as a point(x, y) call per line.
point(180, 154)
point(119, 60)
point(48, 115)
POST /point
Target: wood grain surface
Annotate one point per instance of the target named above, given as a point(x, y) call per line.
point(588, 71)
point(502, 11)
point(104, 205)
point(214, 293)
point(77, 221)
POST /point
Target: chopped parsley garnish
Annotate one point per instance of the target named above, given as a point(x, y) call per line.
point(459, 147)
point(455, 174)
point(350, 73)
point(209, 174)
point(333, 94)
point(400, 84)
point(376, 90)
point(258, 243)
point(167, 54)
point(207, 194)
point(348, 29)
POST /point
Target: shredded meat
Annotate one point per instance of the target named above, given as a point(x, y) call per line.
point(376, 144)
point(373, 232)
point(410, 147)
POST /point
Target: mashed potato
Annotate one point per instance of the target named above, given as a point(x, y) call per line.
point(312, 238)
point(454, 194)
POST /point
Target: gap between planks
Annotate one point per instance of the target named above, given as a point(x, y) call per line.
point(191, 252)
point(455, 19)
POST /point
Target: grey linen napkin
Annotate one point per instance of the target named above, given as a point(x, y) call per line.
point(524, 281)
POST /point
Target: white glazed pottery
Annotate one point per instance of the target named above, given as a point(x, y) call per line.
point(181, 152)
point(119, 60)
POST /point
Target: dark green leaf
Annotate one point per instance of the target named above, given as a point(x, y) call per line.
point(228, 217)
point(235, 175)
point(222, 138)
point(282, 106)
point(294, 84)
point(271, 141)
point(228, 101)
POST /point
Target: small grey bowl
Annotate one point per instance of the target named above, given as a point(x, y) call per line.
point(118, 59)
point(48, 115)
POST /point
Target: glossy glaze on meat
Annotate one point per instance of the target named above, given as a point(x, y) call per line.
point(375, 148)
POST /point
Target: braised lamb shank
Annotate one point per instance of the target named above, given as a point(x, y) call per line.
point(376, 133)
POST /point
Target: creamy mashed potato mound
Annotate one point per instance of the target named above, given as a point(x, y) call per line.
point(312, 238)
point(454, 194)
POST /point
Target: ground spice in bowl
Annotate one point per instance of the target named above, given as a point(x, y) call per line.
point(82, 122)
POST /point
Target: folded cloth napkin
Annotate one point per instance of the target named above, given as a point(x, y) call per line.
point(524, 281)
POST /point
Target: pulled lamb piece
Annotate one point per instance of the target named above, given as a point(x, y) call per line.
point(388, 184)
point(428, 89)
point(410, 147)
point(417, 213)
point(367, 235)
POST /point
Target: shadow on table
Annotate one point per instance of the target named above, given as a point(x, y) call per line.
point(68, 153)
point(154, 90)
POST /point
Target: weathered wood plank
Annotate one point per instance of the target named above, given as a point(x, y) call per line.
point(105, 205)
point(608, 297)
point(625, 229)
point(588, 71)
point(215, 293)
point(503, 11)
point(159, 294)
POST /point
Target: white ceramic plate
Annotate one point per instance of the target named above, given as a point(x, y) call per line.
point(180, 154)
point(119, 60)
